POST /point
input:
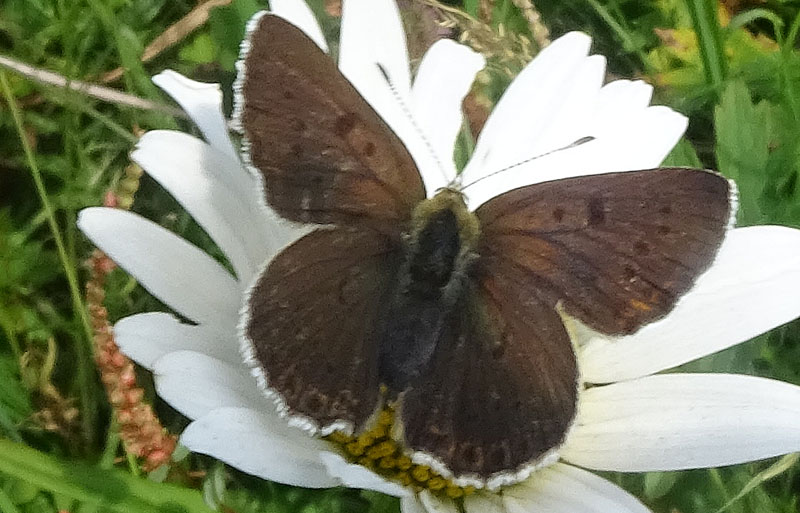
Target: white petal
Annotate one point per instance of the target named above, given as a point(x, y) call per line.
point(207, 183)
point(203, 103)
point(194, 384)
point(642, 144)
point(618, 104)
point(528, 105)
point(565, 121)
point(356, 476)
point(564, 489)
point(751, 287)
point(411, 504)
point(568, 105)
point(443, 79)
point(484, 503)
point(147, 337)
point(372, 35)
point(260, 444)
point(176, 272)
point(624, 95)
point(553, 119)
point(434, 504)
point(372, 42)
point(300, 15)
point(683, 421)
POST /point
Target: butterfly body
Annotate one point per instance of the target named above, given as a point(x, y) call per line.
point(438, 254)
point(457, 313)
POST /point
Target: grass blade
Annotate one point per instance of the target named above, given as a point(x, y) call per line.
point(114, 489)
point(709, 39)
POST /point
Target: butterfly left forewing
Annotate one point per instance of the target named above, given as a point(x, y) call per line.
point(324, 154)
point(617, 250)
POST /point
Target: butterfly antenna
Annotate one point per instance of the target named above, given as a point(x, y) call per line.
point(578, 142)
point(410, 116)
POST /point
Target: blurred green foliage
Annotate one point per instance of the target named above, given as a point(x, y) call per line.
point(732, 67)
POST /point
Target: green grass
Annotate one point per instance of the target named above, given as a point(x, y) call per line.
point(736, 76)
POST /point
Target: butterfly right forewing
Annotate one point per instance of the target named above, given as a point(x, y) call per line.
point(617, 250)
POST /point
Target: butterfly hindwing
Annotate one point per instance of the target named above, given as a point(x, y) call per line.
point(501, 389)
point(324, 154)
point(311, 324)
point(618, 249)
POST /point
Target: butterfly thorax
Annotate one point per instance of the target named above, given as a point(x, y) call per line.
point(438, 253)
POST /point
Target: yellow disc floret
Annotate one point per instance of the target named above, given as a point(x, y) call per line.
point(376, 450)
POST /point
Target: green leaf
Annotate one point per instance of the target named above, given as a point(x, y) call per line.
point(227, 26)
point(15, 405)
point(6, 503)
point(784, 464)
point(658, 484)
point(202, 50)
point(683, 155)
point(113, 489)
point(471, 7)
point(743, 132)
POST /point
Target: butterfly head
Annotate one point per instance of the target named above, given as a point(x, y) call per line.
point(448, 202)
point(442, 239)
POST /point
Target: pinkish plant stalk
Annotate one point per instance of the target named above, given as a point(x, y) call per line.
point(141, 432)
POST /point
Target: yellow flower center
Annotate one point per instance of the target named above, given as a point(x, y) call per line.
point(376, 450)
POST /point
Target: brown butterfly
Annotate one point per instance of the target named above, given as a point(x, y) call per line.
point(453, 316)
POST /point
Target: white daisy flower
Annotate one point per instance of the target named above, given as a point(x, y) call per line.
point(630, 419)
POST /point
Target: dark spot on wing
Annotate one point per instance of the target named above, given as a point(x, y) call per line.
point(663, 229)
point(558, 214)
point(666, 210)
point(630, 273)
point(642, 248)
point(498, 351)
point(582, 271)
point(369, 149)
point(471, 455)
point(499, 455)
point(297, 125)
point(313, 401)
point(344, 124)
point(597, 212)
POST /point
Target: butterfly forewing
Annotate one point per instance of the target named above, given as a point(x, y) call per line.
point(324, 154)
point(617, 250)
point(312, 322)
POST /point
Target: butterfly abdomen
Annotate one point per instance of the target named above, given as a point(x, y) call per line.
point(438, 255)
point(431, 258)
